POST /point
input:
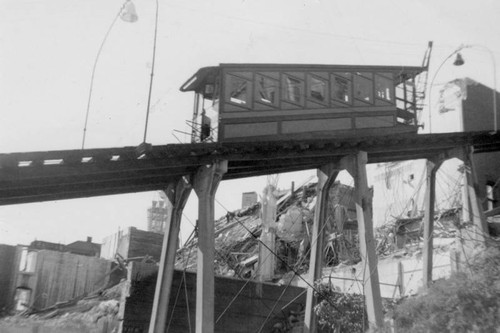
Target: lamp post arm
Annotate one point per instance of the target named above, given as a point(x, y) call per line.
point(432, 83)
point(93, 73)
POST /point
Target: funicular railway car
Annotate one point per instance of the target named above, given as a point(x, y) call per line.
point(257, 102)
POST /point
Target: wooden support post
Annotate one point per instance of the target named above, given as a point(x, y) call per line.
point(429, 203)
point(205, 185)
point(471, 203)
point(326, 176)
point(478, 219)
point(267, 260)
point(401, 279)
point(356, 166)
point(177, 195)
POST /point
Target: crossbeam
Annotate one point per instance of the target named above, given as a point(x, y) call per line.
point(65, 174)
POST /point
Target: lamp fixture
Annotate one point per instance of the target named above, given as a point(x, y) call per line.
point(128, 13)
point(459, 60)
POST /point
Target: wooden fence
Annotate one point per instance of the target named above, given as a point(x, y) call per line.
point(240, 306)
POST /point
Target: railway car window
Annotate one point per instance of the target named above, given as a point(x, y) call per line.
point(341, 89)
point(267, 90)
point(384, 88)
point(294, 90)
point(317, 89)
point(237, 90)
point(363, 89)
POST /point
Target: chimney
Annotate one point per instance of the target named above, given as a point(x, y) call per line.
point(89, 239)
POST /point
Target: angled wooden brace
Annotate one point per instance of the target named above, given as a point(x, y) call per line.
point(471, 198)
point(356, 166)
point(177, 195)
point(326, 177)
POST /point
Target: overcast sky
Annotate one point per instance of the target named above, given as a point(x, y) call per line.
point(48, 48)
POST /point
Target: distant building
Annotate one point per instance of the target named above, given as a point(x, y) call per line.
point(399, 187)
point(132, 243)
point(84, 248)
point(44, 273)
point(42, 245)
point(157, 216)
point(7, 259)
point(467, 105)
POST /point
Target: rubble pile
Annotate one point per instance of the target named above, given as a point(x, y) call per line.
point(237, 234)
point(404, 232)
point(96, 313)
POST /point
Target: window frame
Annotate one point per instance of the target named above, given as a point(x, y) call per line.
point(258, 98)
point(326, 100)
point(285, 90)
point(227, 90)
point(367, 77)
point(392, 88)
point(347, 78)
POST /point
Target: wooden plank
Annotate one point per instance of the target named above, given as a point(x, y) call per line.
point(326, 177)
point(429, 203)
point(206, 182)
point(247, 308)
point(356, 166)
point(177, 194)
point(267, 244)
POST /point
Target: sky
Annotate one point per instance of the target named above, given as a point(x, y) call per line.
point(48, 49)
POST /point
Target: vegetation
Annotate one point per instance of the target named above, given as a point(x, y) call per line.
point(466, 302)
point(340, 312)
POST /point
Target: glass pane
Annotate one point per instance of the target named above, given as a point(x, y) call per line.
point(237, 90)
point(363, 89)
point(341, 89)
point(317, 89)
point(383, 88)
point(293, 90)
point(266, 90)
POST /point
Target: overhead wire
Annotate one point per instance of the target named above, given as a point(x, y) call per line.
point(313, 243)
point(275, 254)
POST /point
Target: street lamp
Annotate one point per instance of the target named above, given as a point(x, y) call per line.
point(128, 14)
point(152, 73)
point(459, 61)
